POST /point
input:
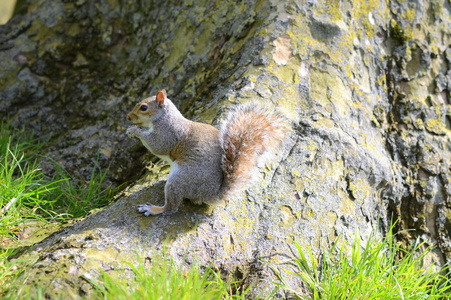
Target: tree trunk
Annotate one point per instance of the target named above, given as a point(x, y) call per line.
point(366, 86)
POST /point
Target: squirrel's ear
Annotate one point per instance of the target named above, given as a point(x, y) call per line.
point(161, 96)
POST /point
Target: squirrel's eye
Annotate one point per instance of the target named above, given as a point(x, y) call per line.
point(143, 108)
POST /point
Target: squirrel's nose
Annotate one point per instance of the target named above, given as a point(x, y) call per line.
point(129, 117)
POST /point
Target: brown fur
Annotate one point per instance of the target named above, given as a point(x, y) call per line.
point(248, 131)
point(199, 134)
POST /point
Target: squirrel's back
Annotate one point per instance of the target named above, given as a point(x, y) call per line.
point(248, 131)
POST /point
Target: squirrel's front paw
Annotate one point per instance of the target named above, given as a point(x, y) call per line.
point(149, 209)
point(132, 131)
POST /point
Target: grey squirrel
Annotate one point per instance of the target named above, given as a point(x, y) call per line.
point(205, 162)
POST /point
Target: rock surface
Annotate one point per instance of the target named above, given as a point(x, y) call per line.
point(366, 85)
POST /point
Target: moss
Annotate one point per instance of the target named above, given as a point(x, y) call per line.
point(447, 214)
point(287, 73)
point(179, 45)
point(359, 189)
point(204, 37)
point(332, 217)
point(410, 15)
point(299, 183)
point(339, 49)
point(437, 8)
point(328, 89)
point(95, 257)
point(73, 29)
point(435, 126)
point(288, 218)
point(335, 169)
point(324, 123)
point(80, 61)
point(333, 10)
point(296, 173)
point(38, 232)
point(419, 124)
point(209, 115)
point(347, 206)
point(382, 80)
point(361, 11)
point(237, 45)
point(398, 33)
point(113, 4)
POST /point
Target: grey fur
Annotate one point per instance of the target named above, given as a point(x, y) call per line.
point(201, 169)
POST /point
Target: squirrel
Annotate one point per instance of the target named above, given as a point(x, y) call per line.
point(205, 162)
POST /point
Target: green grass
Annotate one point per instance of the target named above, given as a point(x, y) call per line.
point(75, 198)
point(164, 280)
point(24, 189)
point(380, 270)
point(28, 197)
point(27, 194)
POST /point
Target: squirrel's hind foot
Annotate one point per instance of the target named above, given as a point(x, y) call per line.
point(152, 210)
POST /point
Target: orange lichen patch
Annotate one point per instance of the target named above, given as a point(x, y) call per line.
point(282, 52)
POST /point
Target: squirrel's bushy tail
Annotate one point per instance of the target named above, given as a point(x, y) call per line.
point(248, 131)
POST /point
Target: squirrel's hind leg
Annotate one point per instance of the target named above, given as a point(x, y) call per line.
point(173, 192)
